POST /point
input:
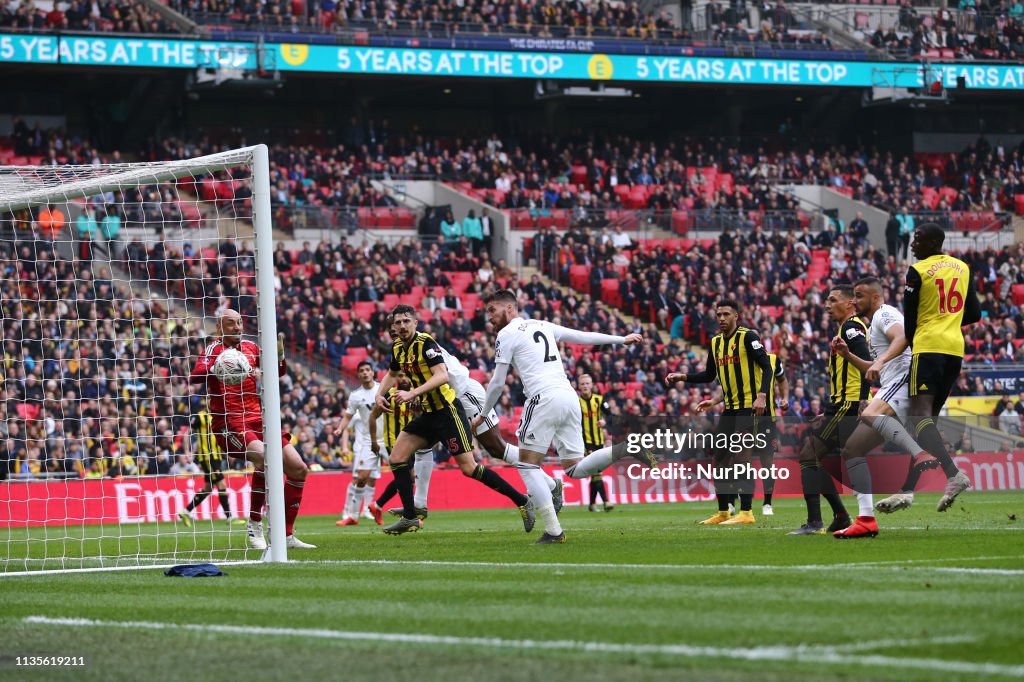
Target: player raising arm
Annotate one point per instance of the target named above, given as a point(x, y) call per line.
point(552, 413)
point(443, 420)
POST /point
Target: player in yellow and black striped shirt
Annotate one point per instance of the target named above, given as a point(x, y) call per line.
point(394, 422)
point(831, 430)
point(939, 299)
point(211, 461)
point(443, 419)
point(592, 406)
point(735, 355)
point(765, 425)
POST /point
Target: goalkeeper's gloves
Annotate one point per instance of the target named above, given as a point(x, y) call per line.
point(280, 346)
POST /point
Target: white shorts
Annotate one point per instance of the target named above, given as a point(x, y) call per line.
point(554, 418)
point(472, 402)
point(363, 459)
point(896, 395)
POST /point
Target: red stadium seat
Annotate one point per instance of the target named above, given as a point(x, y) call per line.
point(351, 362)
point(579, 277)
point(680, 222)
point(1017, 294)
point(27, 411)
point(610, 292)
point(384, 218)
point(449, 315)
point(358, 352)
point(364, 309)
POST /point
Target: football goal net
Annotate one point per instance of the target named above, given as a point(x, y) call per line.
point(114, 277)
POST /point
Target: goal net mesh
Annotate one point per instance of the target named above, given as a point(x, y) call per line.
point(113, 276)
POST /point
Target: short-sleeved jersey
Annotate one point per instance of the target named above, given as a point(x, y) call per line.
point(736, 367)
point(531, 347)
point(778, 373)
point(884, 318)
point(229, 404)
point(941, 283)
point(360, 405)
point(593, 413)
point(845, 380)
point(416, 359)
point(458, 374)
point(400, 415)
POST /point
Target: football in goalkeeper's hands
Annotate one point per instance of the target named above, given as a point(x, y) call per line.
point(232, 367)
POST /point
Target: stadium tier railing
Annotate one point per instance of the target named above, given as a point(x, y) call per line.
point(801, 41)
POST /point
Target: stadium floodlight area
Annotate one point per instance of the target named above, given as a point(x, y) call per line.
point(111, 288)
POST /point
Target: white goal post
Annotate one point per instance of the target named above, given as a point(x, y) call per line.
point(113, 275)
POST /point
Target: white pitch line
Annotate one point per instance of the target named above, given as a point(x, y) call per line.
point(781, 653)
point(107, 569)
point(880, 565)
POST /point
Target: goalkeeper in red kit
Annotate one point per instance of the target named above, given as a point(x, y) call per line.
point(238, 424)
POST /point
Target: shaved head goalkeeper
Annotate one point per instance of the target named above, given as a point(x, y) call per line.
point(238, 424)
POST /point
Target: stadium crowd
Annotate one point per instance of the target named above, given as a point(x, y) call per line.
point(126, 357)
point(971, 31)
point(103, 15)
point(111, 397)
point(589, 175)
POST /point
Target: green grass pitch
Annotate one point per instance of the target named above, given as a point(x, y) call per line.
point(641, 593)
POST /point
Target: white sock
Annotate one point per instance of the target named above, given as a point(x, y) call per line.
point(537, 487)
point(865, 504)
point(350, 496)
point(423, 467)
point(512, 457)
point(592, 464)
point(357, 505)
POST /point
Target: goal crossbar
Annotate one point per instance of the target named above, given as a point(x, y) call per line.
point(29, 193)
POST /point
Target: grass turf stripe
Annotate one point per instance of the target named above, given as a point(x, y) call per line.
point(802, 654)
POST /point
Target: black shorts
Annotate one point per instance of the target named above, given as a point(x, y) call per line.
point(588, 448)
point(736, 421)
point(768, 430)
point(840, 421)
point(934, 374)
point(448, 426)
point(734, 424)
point(212, 466)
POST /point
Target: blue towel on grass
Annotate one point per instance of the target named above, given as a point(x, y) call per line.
point(194, 571)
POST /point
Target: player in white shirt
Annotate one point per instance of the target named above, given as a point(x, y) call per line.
point(471, 393)
point(552, 413)
point(881, 419)
point(365, 462)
